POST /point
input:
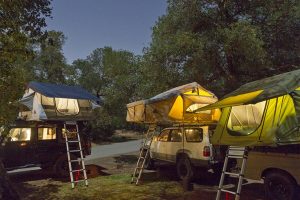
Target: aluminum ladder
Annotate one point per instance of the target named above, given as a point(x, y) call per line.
point(71, 129)
point(233, 152)
point(144, 154)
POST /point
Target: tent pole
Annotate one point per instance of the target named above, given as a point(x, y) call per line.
point(263, 121)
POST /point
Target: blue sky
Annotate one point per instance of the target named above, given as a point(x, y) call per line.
point(91, 24)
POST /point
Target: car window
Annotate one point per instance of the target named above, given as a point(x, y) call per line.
point(163, 137)
point(19, 134)
point(194, 134)
point(176, 135)
point(47, 133)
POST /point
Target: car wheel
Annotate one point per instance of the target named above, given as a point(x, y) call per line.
point(61, 166)
point(279, 186)
point(184, 168)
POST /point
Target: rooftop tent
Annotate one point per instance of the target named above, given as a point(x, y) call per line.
point(46, 101)
point(175, 105)
point(263, 112)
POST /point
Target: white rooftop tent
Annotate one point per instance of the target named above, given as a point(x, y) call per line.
point(46, 101)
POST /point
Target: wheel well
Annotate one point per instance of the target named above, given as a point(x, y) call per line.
point(276, 170)
point(181, 155)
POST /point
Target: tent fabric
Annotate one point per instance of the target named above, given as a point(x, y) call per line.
point(262, 118)
point(61, 91)
point(53, 104)
point(187, 89)
point(175, 105)
point(260, 90)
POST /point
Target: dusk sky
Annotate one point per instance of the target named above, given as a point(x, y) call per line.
point(91, 24)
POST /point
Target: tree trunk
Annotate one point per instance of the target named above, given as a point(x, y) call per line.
point(7, 190)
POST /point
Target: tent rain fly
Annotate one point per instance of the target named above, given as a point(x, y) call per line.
point(45, 101)
point(263, 112)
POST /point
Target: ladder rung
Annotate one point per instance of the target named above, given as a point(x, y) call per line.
point(145, 147)
point(81, 180)
point(76, 160)
point(71, 151)
point(71, 122)
point(228, 191)
point(142, 157)
point(139, 167)
point(233, 156)
point(78, 170)
point(72, 132)
point(72, 141)
point(233, 174)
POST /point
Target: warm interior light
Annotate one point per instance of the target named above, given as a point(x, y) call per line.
point(28, 133)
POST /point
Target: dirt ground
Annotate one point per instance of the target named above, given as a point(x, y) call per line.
point(35, 183)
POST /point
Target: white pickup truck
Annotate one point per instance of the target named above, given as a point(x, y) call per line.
point(188, 148)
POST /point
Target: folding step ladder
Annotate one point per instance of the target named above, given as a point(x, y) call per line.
point(233, 152)
point(144, 154)
point(71, 133)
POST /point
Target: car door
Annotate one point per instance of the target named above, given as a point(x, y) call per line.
point(160, 148)
point(47, 144)
point(174, 144)
point(18, 149)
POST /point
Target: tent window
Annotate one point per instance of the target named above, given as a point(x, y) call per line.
point(245, 119)
point(67, 106)
point(196, 106)
point(194, 134)
point(19, 134)
point(46, 133)
point(47, 102)
point(84, 105)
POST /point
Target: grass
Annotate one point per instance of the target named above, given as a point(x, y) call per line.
point(118, 187)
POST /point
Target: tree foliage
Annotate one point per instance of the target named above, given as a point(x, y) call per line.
point(21, 22)
point(113, 76)
point(49, 64)
point(222, 44)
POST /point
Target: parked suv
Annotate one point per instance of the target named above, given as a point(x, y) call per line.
point(39, 143)
point(186, 147)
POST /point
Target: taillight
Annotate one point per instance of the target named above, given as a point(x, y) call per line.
point(206, 151)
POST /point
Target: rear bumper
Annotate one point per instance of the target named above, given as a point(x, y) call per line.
point(200, 163)
point(206, 163)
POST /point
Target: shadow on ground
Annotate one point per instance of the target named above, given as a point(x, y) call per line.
point(126, 159)
point(31, 184)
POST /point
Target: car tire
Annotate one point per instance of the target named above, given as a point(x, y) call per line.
point(61, 166)
point(185, 170)
point(279, 186)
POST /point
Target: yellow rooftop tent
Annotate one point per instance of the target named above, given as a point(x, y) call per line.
point(263, 112)
point(175, 105)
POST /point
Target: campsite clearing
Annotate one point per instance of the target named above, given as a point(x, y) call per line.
point(114, 183)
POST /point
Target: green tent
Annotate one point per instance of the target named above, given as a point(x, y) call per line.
point(263, 112)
